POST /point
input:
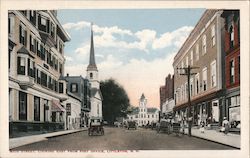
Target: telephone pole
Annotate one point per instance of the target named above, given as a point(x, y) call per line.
point(187, 72)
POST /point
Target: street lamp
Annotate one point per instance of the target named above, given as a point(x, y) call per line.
point(187, 72)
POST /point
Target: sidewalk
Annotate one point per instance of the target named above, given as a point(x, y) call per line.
point(219, 137)
point(20, 141)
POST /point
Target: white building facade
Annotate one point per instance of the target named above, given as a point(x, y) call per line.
point(144, 115)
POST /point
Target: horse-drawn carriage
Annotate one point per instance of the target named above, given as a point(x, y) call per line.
point(168, 127)
point(96, 126)
point(164, 126)
point(132, 124)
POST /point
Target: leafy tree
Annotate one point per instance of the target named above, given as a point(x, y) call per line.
point(115, 100)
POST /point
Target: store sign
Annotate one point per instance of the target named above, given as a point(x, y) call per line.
point(68, 109)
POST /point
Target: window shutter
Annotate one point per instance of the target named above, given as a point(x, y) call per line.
point(18, 64)
point(48, 26)
point(30, 42)
point(34, 46)
point(25, 38)
point(20, 33)
point(76, 87)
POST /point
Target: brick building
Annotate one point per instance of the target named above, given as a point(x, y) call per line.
point(232, 65)
point(167, 93)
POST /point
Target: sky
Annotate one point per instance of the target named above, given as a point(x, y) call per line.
point(135, 47)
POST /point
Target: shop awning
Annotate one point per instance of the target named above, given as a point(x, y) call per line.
point(56, 106)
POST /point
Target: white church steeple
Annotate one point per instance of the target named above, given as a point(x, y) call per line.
point(92, 71)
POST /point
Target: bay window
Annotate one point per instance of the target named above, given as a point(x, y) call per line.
point(21, 65)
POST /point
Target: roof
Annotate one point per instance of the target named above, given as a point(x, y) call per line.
point(92, 64)
point(135, 111)
point(142, 96)
point(23, 50)
point(93, 92)
point(152, 110)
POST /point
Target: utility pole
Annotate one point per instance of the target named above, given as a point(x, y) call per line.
point(187, 72)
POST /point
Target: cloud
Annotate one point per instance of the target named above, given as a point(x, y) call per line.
point(110, 63)
point(111, 30)
point(175, 38)
point(68, 58)
point(83, 49)
point(144, 40)
point(76, 69)
point(76, 26)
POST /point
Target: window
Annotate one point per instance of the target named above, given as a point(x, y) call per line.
point(60, 68)
point(38, 46)
point(32, 44)
point(232, 75)
point(91, 75)
point(213, 74)
point(191, 57)
point(204, 79)
point(60, 87)
point(213, 35)
point(43, 52)
point(148, 116)
point(38, 76)
point(10, 25)
point(21, 66)
point(74, 88)
point(204, 44)
point(152, 116)
point(197, 52)
point(36, 108)
point(31, 72)
point(52, 33)
point(191, 87)
point(44, 79)
point(197, 83)
point(231, 32)
point(22, 106)
point(43, 21)
point(22, 35)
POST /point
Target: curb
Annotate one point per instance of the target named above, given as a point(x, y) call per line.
point(66, 133)
point(214, 141)
point(45, 138)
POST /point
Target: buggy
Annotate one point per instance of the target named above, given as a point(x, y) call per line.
point(164, 126)
point(131, 124)
point(176, 128)
point(96, 126)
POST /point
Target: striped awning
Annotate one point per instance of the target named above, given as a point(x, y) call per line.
point(56, 106)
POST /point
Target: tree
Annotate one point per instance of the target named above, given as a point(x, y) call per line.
point(115, 100)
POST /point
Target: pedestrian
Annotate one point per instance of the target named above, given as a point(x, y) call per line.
point(183, 126)
point(225, 125)
point(202, 126)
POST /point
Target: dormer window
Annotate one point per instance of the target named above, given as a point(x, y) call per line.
point(74, 88)
point(91, 75)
